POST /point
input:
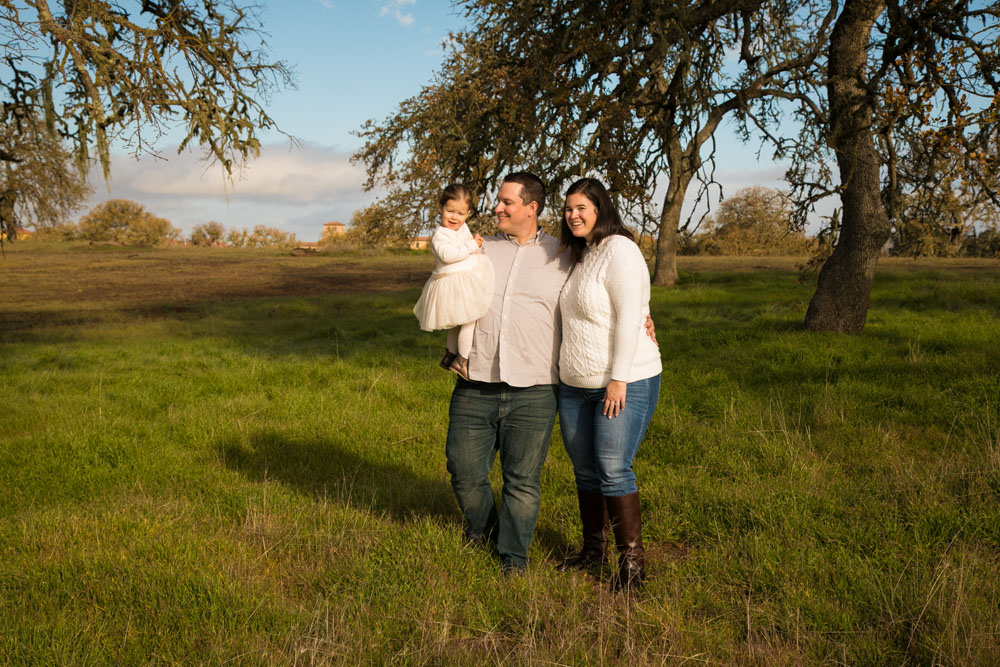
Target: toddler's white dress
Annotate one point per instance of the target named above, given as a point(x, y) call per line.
point(461, 288)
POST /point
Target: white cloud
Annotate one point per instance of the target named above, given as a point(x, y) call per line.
point(310, 174)
point(394, 8)
point(293, 189)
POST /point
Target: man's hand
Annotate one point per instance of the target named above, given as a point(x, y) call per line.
point(650, 329)
point(478, 239)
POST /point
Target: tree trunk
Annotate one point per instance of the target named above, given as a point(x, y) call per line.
point(845, 281)
point(665, 273)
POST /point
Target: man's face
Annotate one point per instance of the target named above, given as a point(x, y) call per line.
point(513, 216)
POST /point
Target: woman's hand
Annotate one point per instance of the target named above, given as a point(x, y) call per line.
point(614, 398)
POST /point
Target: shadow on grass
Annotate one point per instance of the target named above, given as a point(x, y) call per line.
point(326, 469)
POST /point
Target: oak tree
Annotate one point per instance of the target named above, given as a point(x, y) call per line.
point(126, 222)
point(753, 221)
point(630, 91)
point(902, 78)
point(207, 234)
point(122, 72)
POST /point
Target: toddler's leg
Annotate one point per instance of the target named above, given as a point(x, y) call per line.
point(454, 342)
point(465, 338)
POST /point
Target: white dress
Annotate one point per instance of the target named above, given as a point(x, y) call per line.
point(461, 288)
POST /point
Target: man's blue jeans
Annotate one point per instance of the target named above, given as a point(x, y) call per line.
point(602, 449)
point(516, 422)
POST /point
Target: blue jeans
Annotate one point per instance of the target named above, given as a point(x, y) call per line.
point(602, 449)
point(516, 422)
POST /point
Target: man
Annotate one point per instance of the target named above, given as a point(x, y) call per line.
point(509, 407)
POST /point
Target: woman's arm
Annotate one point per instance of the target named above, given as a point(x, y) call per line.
point(624, 281)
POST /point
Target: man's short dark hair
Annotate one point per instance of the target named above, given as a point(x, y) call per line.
point(532, 188)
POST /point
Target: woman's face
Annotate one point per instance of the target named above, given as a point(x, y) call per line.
point(580, 215)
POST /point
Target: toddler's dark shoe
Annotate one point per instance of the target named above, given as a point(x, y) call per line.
point(460, 365)
point(447, 359)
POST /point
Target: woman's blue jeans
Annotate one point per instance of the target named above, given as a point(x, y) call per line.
point(602, 449)
point(490, 418)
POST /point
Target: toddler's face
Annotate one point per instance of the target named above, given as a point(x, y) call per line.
point(454, 214)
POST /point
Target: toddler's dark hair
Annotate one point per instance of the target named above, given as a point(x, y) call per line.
point(456, 191)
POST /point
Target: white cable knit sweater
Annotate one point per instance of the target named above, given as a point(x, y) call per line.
point(604, 306)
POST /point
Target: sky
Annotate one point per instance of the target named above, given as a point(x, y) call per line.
point(353, 60)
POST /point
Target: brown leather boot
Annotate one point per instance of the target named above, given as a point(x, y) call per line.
point(594, 517)
point(627, 524)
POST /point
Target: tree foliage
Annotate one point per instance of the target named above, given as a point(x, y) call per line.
point(953, 206)
point(63, 231)
point(752, 222)
point(39, 186)
point(98, 72)
point(126, 222)
point(909, 112)
point(391, 222)
point(208, 234)
point(629, 91)
point(984, 243)
point(262, 236)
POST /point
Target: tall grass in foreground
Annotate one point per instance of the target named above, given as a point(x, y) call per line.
point(261, 480)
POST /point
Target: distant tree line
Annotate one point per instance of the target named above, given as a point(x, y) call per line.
point(754, 221)
point(126, 222)
point(214, 234)
point(757, 221)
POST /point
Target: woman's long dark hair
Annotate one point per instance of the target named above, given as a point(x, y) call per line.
point(608, 220)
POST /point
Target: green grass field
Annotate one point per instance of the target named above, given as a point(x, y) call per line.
point(222, 456)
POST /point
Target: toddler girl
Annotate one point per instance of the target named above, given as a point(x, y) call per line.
point(460, 290)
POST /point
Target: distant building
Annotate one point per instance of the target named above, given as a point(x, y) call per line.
point(334, 229)
point(19, 233)
point(420, 243)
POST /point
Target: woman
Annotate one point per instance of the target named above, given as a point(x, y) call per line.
point(609, 373)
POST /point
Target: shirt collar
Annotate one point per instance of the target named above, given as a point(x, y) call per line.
point(534, 241)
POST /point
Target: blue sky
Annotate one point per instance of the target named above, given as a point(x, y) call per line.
point(354, 60)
